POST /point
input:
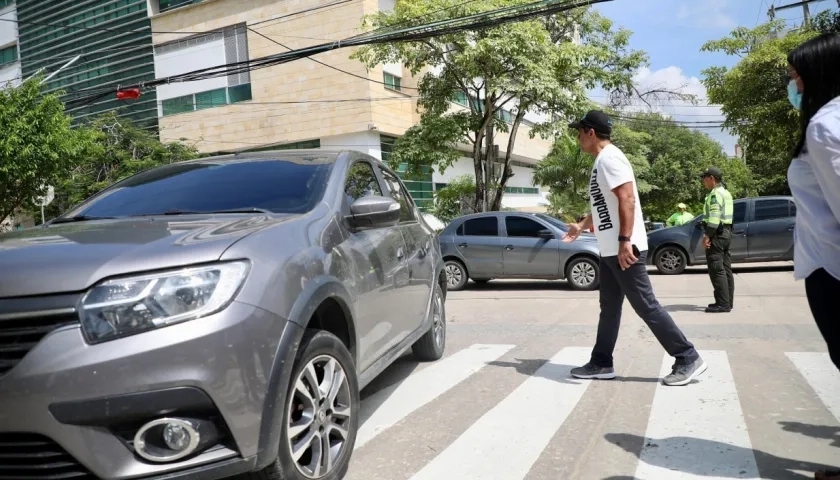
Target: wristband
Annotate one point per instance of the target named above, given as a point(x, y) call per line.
point(622, 238)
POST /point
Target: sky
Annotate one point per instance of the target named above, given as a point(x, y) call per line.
point(672, 33)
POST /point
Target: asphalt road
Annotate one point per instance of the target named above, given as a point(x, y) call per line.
point(501, 405)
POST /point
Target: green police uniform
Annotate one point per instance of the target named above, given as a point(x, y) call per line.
point(717, 216)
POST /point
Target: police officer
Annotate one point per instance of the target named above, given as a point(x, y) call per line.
point(717, 222)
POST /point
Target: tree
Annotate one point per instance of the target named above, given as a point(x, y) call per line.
point(123, 149)
point(455, 199)
point(498, 74)
point(827, 22)
point(37, 144)
point(753, 97)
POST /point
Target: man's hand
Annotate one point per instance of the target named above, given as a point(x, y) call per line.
point(626, 259)
point(573, 233)
point(707, 242)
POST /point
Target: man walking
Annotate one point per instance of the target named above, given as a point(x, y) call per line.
point(681, 217)
point(717, 220)
point(619, 227)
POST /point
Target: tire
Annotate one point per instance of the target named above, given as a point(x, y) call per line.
point(318, 347)
point(456, 275)
point(583, 273)
point(431, 345)
point(670, 260)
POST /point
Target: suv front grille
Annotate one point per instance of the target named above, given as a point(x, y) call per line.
point(27, 456)
point(19, 333)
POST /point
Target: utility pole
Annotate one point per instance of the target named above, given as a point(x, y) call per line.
point(806, 12)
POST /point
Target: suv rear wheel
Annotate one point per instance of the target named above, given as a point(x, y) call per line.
point(670, 260)
point(320, 417)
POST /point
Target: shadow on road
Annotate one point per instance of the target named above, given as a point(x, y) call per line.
point(825, 432)
point(560, 373)
point(708, 458)
point(742, 268)
point(510, 285)
point(683, 308)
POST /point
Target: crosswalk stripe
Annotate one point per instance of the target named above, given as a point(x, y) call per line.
point(822, 375)
point(390, 405)
point(697, 431)
point(505, 442)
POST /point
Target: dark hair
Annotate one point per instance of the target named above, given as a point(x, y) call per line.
point(817, 62)
point(599, 135)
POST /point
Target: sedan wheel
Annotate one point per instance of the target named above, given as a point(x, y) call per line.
point(582, 273)
point(456, 275)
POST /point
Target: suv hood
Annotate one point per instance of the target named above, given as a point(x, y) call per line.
point(73, 256)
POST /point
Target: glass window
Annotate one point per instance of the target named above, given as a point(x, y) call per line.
point(210, 99)
point(361, 182)
point(771, 209)
point(285, 185)
point(400, 195)
point(392, 82)
point(481, 227)
point(240, 93)
point(522, 227)
point(8, 55)
point(739, 214)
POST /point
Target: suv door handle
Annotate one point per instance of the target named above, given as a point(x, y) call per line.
point(791, 228)
point(508, 247)
point(463, 245)
point(738, 232)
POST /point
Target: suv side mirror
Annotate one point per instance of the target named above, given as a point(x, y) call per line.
point(374, 212)
point(548, 234)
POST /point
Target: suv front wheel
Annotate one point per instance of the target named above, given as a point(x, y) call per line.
point(321, 413)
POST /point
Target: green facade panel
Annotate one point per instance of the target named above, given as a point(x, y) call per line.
point(114, 40)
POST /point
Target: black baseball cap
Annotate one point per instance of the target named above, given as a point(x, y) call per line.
point(712, 172)
point(596, 120)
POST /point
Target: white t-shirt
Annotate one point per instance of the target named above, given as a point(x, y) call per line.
point(611, 170)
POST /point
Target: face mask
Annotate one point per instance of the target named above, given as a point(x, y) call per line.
point(794, 96)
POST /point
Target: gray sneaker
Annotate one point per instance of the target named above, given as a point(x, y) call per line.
point(683, 374)
point(593, 371)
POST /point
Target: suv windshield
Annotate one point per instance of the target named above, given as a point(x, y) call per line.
point(292, 185)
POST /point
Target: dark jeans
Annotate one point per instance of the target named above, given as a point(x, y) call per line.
point(822, 291)
point(719, 261)
point(635, 285)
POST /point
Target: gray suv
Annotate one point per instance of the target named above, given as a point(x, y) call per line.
point(762, 231)
point(211, 318)
point(490, 245)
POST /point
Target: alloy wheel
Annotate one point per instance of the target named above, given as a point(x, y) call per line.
point(454, 275)
point(319, 417)
point(438, 327)
point(670, 260)
point(583, 274)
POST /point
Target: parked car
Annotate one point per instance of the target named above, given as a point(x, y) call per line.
point(491, 245)
point(762, 231)
point(213, 317)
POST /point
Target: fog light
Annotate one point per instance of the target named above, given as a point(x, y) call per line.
point(171, 439)
point(177, 437)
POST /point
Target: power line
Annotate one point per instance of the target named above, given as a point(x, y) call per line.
point(329, 66)
point(198, 34)
point(471, 22)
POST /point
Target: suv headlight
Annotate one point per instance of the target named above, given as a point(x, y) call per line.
point(130, 305)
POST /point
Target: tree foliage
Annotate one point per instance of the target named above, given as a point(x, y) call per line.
point(500, 73)
point(753, 96)
point(37, 144)
point(457, 198)
point(122, 149)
